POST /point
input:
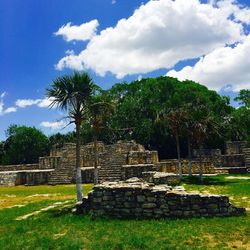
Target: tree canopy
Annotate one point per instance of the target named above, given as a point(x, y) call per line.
point(24, 145)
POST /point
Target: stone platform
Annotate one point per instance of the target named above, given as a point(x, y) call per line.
point(135, 198)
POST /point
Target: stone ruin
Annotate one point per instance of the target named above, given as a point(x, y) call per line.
point(138, 199)
point(119, 161)
point(236, 158)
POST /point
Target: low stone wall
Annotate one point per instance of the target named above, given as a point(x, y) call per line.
point(134, 199)
point(19, 167)
point(129, 171)
point(8, 179)
point(171, 166)
point(25, 177)
point(236, 160)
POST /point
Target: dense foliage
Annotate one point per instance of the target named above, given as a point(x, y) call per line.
point(151, 110)
point(142, 105)
point(23, 145)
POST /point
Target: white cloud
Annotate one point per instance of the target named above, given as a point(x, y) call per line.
point(231, 7)
point(42, 103)
point(82, 32)
point(113, 2)
point(226, 66)
point(45, 103)
point(10, 110)
point(23, 103)
point(2, 110)
point(158, 35)
point(53, 125)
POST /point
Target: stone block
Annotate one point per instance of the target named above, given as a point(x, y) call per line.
point(149, 205)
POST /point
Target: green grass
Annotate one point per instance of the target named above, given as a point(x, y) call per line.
point(59, 228)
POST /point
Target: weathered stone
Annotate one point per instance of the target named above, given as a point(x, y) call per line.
point(140, 198)
point(148, 205)
point(151, 199)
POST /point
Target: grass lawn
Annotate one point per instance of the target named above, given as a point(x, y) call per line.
point(24, 226)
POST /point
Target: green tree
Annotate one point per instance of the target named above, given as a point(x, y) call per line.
point(244, 98)
point(59, 139)
point(24, 145)
point(72, 94)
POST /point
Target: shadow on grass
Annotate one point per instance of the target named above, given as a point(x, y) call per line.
point(215, 181)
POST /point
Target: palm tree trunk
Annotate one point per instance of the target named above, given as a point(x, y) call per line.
point(179, 156)
point(96, 161)
point(78, 164)
point(200, 164)
point(189, 158)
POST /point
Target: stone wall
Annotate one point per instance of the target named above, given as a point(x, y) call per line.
point(25, 177)
point(142, 157)
point(87, 175)
point(208, 155)
point(235, 147)
point(134, 199)
point(49, 162)
point(8, 178)
point(129, 171)
point(236, 160)
point(171, 166)
point(19, 167)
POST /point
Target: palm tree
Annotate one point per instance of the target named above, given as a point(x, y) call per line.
point(175, 118)
point(72, 94)
point(98, 113)
point(204, 124)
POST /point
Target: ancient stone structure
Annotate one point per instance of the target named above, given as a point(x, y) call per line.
point(171, 166)
point(136, 199)
point(59, 167)
point(119, 161)
point(235, 160)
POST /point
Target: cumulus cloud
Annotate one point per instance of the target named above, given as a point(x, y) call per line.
point(226, 66)
point(42, 103)
point(81, 32)
point(158, 35)
point(53, 125)
point(4, 111)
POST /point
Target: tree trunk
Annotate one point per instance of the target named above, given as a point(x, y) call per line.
point(96, 161)
point(200, 165)
point(189, 158)
point(179, 156)
point(78, 164)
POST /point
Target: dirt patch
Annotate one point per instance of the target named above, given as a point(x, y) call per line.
point(237, 244)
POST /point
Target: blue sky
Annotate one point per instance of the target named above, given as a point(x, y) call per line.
point(115, 41)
